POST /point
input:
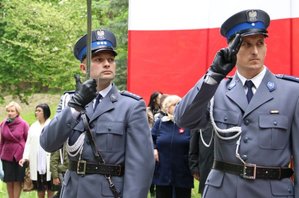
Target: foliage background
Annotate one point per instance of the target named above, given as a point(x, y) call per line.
point(37, 39)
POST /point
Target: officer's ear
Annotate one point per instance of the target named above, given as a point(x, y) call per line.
point(83, 66)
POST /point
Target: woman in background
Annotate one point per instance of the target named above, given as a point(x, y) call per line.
point(39, 159)
point(153, 107)
point(152, 110)
point(172, 177)
point(14, 131)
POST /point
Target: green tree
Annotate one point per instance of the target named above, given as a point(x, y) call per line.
point(36, 52)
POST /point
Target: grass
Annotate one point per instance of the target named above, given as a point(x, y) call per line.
point(28, 115)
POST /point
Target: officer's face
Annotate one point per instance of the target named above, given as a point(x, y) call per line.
point(102, 67)
point(251, 56)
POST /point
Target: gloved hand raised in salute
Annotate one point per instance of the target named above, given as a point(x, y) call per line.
point(84, 95)
point(225, 60)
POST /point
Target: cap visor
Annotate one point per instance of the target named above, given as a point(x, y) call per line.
point(104, 49)
point(254, 32)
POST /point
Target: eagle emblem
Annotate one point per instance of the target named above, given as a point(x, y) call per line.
point(252, 16)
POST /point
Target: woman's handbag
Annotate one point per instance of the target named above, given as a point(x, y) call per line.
point(27, 184)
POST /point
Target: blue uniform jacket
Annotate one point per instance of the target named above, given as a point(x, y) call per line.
point(122, 135)
point(270, 133)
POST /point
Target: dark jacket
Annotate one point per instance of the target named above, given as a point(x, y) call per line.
point(200, 156)
point(172, 144)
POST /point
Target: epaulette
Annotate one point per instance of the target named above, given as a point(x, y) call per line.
point(129, 94)
point(287, 77)
point(69, 92)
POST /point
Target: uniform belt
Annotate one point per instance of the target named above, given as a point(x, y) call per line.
point(252, 171)
point(83, 167)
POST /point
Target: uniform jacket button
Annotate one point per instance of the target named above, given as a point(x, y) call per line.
point(245, 140)
point(244, 157)
point(246, 122)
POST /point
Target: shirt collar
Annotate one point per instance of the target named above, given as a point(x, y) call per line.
point(105, 91)
point(255, 80)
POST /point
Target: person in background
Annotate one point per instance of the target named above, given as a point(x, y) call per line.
point(255, 115)
point(108, 140)
point(201, 154)
point(58, 166)
point(14, 131)
point(153, 108)
point(172, 175)
point(160, 113)
point(38, 158)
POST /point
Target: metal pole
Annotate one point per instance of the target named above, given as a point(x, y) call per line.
point(89, 39)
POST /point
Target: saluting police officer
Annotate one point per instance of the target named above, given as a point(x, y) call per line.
point(106, 131)
point(257, 122)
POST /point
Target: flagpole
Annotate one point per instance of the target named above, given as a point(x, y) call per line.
point(89, 39)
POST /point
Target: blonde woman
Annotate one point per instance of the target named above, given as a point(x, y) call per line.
point(172, 176)
point(14, 131)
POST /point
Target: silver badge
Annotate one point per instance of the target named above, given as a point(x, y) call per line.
point(252, 16)
point(100, 34)
point(271, 86)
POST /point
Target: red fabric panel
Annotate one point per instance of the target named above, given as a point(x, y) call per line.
point(172, 61)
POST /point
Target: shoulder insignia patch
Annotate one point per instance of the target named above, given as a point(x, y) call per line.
point(129, 94)
point(287, 77)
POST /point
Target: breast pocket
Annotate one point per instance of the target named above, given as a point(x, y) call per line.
point(110, 136)
point(225, 120)
point(77, 131)
point(274, 131)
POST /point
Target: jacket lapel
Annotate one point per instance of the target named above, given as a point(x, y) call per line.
point(263, 93)
point(236, 93)
point(106, 104)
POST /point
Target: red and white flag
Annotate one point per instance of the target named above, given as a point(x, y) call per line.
point(173, 42)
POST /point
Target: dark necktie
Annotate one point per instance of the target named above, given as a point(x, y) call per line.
point(98, 99)
point(249, 84)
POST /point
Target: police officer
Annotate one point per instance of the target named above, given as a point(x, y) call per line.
point(256, 122)
point(106, 131)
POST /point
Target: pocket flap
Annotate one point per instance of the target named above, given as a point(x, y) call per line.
point(273, 121)
point(227, 117)
point(282, 188)
point(215, 178)
point(110, 127)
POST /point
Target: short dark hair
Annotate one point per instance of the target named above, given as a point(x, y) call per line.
point(46, 109)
